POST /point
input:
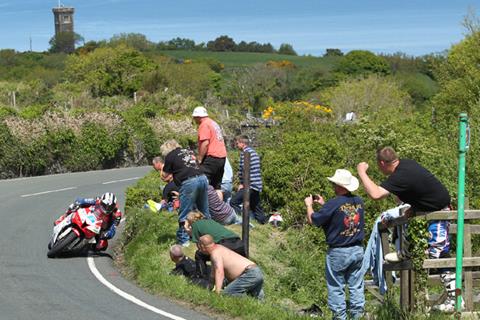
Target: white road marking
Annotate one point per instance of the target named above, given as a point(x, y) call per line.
point(115, 181)
point(123, 294)
point(44, 192)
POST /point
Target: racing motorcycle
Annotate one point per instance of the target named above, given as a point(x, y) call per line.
point(75, 233)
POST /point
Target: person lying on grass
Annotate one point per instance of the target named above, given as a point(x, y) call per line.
point(184, 266)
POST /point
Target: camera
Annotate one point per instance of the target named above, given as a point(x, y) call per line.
point(316, 197)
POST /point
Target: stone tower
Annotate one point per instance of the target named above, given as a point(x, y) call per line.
point(64, 23)
point(63, 19)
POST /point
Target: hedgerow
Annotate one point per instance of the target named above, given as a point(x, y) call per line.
point(55, 142)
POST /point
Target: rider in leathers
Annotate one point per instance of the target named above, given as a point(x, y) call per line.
point(106, 209)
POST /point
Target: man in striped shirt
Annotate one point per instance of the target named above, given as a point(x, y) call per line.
point(242, 143)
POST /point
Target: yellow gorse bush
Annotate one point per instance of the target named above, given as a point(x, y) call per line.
point(282, 109)
point(310, 106)
point(280, 64)
point(267, 113)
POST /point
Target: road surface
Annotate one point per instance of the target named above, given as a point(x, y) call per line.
point(35, 287)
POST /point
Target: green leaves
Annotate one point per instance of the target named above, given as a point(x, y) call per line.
point(95, 148)
point(109, 71)
point(459, 77)
point(362, 62)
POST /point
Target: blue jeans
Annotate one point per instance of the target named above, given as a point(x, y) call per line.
point(344, 268)
point(227, 191)
point(249, 282)
point(193, 192)
point(233, 219)
point(255, 205)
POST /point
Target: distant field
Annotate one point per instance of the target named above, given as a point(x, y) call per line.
point(239, 59)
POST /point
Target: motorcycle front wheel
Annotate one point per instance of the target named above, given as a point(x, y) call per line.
point(61, 244)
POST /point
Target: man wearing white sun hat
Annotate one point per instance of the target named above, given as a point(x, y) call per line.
point(211, 148)
point(342, 219)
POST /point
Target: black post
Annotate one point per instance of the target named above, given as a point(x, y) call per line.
point(246, 202)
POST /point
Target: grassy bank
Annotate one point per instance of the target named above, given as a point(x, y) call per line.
point(281, 255)
point(292, 261)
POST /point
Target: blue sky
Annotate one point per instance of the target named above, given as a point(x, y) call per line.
point(414, 27)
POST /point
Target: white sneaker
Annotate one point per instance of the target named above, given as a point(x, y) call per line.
point(186, 244)
point(392, 257)
point(448, 306)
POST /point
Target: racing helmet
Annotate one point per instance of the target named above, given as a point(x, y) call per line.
point(108, 202)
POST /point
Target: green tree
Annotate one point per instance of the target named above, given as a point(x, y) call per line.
point(182, 43)
point(222, 43)
point(403, 63)
point(366, 96)
point(361, 62)
point(242, 46)
point(330, 52)
point(190, 79)
point(267, 48)
point(90, 46)
point(178, 44)
point(459, 77)
point(137, 41)
point(254, 87)
point(64, 42)
point(286, 48)
point(420, 86)
point(109, 71)
point(8, 57)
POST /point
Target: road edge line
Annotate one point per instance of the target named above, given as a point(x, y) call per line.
point(127, 296)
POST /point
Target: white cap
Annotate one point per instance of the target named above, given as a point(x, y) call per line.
point(344, 178)
point(200, 112)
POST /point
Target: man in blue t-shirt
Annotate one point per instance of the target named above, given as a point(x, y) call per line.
point(342, 218)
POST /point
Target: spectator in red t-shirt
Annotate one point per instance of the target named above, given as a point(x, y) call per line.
point(211, 148)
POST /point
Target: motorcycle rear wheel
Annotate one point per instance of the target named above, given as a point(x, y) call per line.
point(61, 244)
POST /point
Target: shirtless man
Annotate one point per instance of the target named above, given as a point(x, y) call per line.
point(243, 275)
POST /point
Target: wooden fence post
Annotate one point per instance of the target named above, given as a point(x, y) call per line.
point(385, 250)
point(411, 284)
point(246, 202)
point(14, 100)
point(467, 252)
point(407, 294)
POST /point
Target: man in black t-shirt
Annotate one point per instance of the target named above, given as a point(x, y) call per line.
point(408, 180)
point(412, 184)
point(192, 183)
point(415, 185)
